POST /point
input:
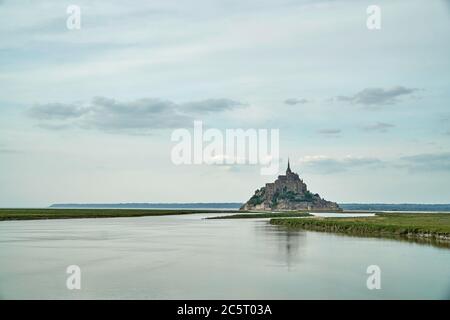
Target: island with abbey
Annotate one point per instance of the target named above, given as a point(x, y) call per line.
point(288, 192)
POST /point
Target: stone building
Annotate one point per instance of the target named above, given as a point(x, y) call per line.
point(289, 182)
point(287, 192)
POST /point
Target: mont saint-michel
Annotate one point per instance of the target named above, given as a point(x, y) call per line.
point(288, 192)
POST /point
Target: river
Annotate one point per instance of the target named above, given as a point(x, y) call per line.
point(188, 257)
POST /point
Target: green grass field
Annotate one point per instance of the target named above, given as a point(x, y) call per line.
point(32, 214)
point(264, 215)
point(419, 225)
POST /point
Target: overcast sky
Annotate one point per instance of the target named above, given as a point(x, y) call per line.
point(87, 115)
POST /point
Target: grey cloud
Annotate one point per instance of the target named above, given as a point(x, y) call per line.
point(444, 118)
point(378, 127)
point(8, 151)
point(139, 107)
point(109, 114)
point(322, 164)
point(329, 131)
point(377, 96)
point(212, 105)
point(427, 162)
point(133, 116)
point(294, 101)
point(57, 111)
point(5, 149)
point(55, 127)
point(419, 163)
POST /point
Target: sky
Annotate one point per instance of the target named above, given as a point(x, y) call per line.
point(86, 115)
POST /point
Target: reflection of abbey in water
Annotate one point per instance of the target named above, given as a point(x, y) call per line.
point(288, 192)
point(282, 246)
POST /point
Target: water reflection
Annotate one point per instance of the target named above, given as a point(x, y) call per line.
point(286, 245)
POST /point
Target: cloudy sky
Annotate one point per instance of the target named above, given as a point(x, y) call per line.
point(87, 115)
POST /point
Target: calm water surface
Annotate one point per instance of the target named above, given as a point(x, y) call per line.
point(188, 257)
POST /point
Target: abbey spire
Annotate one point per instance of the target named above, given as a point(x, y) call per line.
point(288, 170)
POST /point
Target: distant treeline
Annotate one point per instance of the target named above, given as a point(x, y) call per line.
point(237, 205)
point(395, 207)
point(199, 205)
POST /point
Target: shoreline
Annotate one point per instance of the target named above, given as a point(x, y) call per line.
point(417, 226)
point(51, 213)
point(262, 215)
point(11, 214)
